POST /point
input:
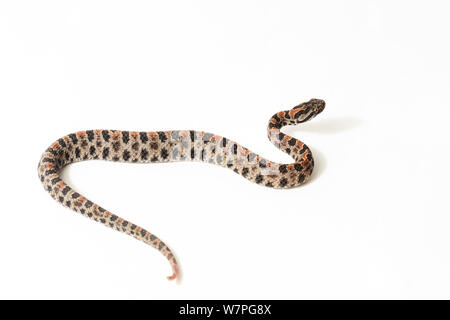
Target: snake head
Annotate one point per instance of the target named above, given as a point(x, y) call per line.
point(317, 106)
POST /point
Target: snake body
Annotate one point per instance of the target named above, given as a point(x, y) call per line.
point(178, 145)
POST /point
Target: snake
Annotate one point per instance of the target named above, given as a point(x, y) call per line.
point(170, 146)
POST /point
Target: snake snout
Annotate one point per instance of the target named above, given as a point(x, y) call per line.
point(318, 105)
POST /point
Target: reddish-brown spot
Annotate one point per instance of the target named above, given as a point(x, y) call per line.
point(293, 112)
point(117, 133)
point(55, 145)
point(134, 134)
point(81, 134)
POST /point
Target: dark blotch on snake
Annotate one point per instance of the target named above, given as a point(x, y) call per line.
point(106, 135)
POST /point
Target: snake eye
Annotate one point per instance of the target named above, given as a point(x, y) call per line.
point(319, 106)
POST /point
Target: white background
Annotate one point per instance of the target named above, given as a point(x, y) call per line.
point(372, 223)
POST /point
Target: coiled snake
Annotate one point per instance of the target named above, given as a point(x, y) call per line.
point(180, 145)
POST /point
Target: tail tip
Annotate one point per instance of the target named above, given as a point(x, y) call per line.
point(172, 277)
point(174, 274)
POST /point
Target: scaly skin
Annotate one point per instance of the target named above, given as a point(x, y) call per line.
point(167, 146)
